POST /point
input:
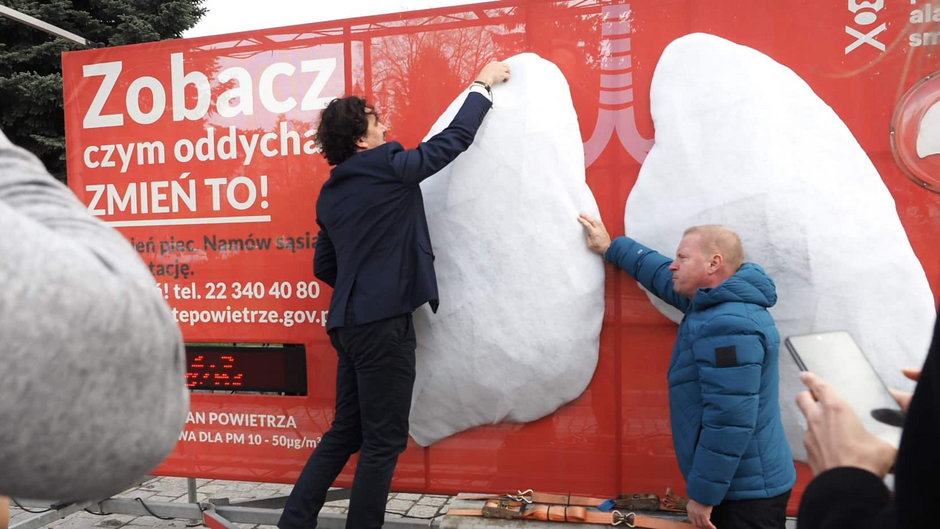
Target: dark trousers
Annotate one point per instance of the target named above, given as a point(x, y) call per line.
point(374, 379)
point(764, 513)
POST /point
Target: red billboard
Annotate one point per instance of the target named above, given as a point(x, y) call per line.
point(201, 152)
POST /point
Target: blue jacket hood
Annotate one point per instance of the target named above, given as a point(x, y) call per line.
point(750, 284)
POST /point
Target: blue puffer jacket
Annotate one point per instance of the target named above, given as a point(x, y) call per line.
point(723, 380)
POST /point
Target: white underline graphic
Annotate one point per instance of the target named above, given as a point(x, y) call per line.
point(188, 221)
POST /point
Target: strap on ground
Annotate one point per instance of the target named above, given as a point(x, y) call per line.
point(566, 508)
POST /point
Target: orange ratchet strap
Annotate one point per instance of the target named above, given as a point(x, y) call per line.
point(529, 505)
point(529, 496)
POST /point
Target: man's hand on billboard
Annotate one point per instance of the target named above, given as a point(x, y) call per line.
point(598, 240)
point(494, 73)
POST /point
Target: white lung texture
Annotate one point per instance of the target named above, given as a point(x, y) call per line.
point(522, 299)
point(743, 141)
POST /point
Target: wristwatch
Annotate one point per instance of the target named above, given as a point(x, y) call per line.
point(481, 84)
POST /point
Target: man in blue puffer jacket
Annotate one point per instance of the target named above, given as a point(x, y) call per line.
point(723, 376)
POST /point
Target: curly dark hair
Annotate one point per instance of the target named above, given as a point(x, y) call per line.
point(343, 122)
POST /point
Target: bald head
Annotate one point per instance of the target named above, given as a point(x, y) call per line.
point(721, 240)
point(706, 256)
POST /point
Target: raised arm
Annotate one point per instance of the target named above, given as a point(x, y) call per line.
point(647, 266)
point(431, 156)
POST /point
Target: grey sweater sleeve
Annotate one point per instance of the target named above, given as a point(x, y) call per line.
point(92, 387)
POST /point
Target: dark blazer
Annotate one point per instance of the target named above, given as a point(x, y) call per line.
point(373, 247)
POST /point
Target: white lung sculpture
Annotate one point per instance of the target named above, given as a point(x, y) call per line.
point(743, 141)
point(522, 299)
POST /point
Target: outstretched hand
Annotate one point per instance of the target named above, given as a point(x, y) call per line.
point(835, 437)
point(494, 73)
point(598, 240)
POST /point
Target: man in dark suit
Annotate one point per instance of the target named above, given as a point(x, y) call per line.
point(374, 249)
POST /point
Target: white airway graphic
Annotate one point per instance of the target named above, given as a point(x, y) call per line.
point(743, 141)
point(928, 134)
point(616, 110)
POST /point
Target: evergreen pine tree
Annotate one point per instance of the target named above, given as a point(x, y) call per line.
point(31, 103)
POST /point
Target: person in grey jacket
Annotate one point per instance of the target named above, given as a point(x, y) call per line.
point(723, 377)
point(92, 389)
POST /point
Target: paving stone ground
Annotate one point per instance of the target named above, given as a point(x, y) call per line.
point(419, 510)
point(420, 507)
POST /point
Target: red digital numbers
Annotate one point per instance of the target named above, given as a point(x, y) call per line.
point(255, 368)
point(208, 371)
